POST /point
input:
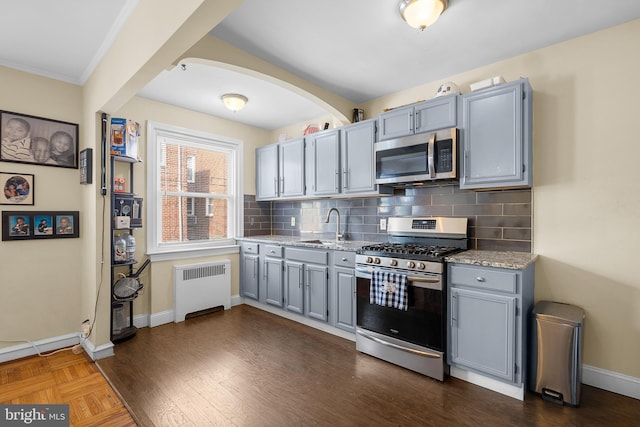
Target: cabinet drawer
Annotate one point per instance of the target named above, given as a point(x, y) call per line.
point(272, 250)
point(344, 259)
point(483, 278)
point(249, 247)
point(306, 255)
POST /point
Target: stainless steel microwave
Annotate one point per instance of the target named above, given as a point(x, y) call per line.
point(423, 157)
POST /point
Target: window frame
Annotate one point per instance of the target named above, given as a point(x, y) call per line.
point(158, 132)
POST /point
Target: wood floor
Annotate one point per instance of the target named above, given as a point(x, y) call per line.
point(64, 378)
point(247, 367)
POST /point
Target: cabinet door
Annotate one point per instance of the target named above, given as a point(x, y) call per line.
point(397, 122)
point(325, 151)
point(317, 287)
point(345, 280)
point(483, 332)
point(438, 113)
point(250, 276)
point(273, 279)
point(292, 168)
point(294, 289)
point(493, 136)
point(358, 172)
point(267, 172)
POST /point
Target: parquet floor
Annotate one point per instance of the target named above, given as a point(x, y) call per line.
point(64, 378)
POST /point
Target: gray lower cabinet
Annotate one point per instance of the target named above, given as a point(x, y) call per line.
point(250, 270)
point(488, 312)
point(307, 282)
point(345, 283)
point(272, 277)
point(496, 137)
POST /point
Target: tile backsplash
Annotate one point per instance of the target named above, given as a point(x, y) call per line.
point(498, 220)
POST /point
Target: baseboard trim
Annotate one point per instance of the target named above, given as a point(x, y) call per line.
point(25, 349)
point(489, 383)
point(300, 319)
point(611, 381)
point(97, 353)
point(164, 317)
point(236, 300)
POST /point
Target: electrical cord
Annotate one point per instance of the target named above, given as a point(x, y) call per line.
point(35, 347)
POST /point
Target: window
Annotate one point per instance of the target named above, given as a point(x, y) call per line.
point(194, 190)
point(191, 169)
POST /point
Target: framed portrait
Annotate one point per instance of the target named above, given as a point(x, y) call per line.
point(36, 140)
point(28, 225)
point(17, 188)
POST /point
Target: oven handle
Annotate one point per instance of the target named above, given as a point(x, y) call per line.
point(399, 347)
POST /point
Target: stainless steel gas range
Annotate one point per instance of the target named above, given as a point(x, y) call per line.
point(402, 293)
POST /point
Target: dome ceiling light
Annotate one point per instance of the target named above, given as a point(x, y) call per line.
point(234, 101)
point(421, 13)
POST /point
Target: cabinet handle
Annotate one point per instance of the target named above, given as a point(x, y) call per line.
point(308, 277)
point(417, 120)
point(275, 185)
point(336, 178)
point(480, 279)
point(344, 260)
point(281, 185)
point(454, 311)
point(345, 183)
point(255, 268)
point(264, 271)
point(300, 278)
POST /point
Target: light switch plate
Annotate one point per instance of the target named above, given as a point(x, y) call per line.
point(383, 224)
point(293, 221)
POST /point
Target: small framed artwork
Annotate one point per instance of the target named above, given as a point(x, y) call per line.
point(28, 225)
point(17, 188)
point(36, 140)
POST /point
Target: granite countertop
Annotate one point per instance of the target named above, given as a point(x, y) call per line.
point(349, 245)
point(498, 259)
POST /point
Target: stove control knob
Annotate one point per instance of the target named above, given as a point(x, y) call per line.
point(421, 265)
point(411, 264)
point(393, 262)
point(369, 260)
point(376, 261)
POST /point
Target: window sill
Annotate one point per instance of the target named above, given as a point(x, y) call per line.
point(174, 254)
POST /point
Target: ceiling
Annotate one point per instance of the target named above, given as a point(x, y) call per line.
point(359, 49)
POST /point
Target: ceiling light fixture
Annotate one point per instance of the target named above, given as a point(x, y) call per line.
point(234, 101)
point(422, 13)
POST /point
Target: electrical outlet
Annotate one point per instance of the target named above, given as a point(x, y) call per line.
point(383, 224)
point(252, 221)
point(85, 329)
point(293, 221)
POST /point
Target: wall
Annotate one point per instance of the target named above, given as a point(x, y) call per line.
point(40, 287)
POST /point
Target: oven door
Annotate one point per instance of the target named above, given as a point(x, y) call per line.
point(422, 157)
point(421, 324)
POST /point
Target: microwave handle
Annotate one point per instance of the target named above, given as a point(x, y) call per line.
point(430, 150)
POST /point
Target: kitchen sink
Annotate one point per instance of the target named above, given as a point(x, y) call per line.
point(318, 242)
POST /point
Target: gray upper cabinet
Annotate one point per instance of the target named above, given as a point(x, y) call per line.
point(358, 161)
point(426, 116)
point(291, 162)
point(267, 182)
point(323, 163)
point(496, 136)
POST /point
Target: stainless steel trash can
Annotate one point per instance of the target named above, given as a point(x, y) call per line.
point(556, 356)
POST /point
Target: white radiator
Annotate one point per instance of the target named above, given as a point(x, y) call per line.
point(201, 286)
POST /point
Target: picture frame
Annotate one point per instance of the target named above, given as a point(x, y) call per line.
point(35, 225)
point(38, 140)
point(17, 188)
point(86, 166)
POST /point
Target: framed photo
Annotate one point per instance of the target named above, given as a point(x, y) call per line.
point(28, 225)
point(17, 188)
point(36, 140)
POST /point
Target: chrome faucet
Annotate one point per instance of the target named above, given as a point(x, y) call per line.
point(326, 220)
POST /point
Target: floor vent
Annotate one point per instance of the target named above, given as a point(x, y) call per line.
point(199, 287)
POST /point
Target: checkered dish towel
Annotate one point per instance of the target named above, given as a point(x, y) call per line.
point(388, 289)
